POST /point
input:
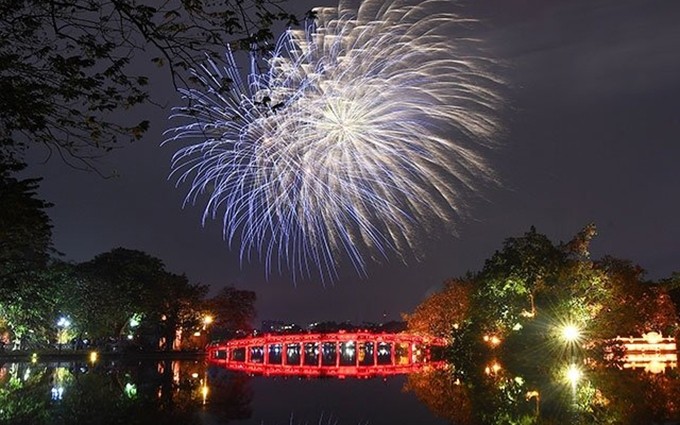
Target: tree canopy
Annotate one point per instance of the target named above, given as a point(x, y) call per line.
point(508, 351)
point(25, 227)
point(234, 309)
point(65, 66)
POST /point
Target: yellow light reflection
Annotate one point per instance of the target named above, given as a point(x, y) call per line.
point(492, 340)
point(653, 352)
point(204, 389)
point(204, 393)
point(573, 374)
point(493, 368)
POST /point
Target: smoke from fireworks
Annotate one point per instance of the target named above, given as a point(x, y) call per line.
point(346, 141)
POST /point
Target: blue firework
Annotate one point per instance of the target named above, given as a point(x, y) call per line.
point(347, 142)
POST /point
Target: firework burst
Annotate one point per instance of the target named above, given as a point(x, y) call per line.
point(344, 142)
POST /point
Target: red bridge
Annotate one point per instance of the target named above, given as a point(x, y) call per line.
point(360, 354)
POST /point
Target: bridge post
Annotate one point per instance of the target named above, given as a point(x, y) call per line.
point(284, 353)
point(410, 353)
point(338, 353)
point(375, 352)
point(393, 353)
point(356, 352)
point(302, 353)
point(320, 355)
point(266, 353)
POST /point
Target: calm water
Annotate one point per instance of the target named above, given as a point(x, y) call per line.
point(189, 392)
point(175, 392)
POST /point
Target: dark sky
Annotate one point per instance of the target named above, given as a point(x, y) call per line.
point(592, 135)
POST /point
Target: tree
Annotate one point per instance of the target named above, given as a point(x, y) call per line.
point(66, 65)
point(443, 311)
point(526, 295)
point(25, 227)
point(233, 309)
point(114, 286)
point(31, 308)
point(511, 279)
point(123, 284)
point(27, 286)
point(672, 285)
point(178, 306)
point(633, 305)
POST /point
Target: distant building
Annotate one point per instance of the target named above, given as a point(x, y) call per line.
point(279, 327)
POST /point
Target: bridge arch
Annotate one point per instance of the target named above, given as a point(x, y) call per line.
point(362, 354)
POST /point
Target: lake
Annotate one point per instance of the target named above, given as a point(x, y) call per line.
point(192, 392)
point(175, 392)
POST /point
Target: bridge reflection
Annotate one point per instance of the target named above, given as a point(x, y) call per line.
point(341, 354)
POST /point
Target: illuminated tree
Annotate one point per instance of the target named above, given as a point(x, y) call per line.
point(633, 306)
point(672, 285)
point(527, 295)
point(122, 283)
point(29, 285)
point(508, 284)
point(115, 285)
point(178, 305)
point(442, 312)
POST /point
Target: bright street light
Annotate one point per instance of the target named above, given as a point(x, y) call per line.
point(571, 333)
point(63, 322)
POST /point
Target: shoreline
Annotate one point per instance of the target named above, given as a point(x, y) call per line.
point(84, 355)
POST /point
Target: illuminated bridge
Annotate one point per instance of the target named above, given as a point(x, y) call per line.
point(341, 354)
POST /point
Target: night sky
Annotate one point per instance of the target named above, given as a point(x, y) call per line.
point(592, 126)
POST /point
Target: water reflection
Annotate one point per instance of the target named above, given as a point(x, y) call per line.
point(167, 392)
point(576, 394)
point(190, 392)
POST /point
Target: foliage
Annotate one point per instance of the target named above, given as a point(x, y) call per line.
point(100, 297)
point(234, 309)
point(525, 296)
point(65, 66)
point(25, 227)
point(113, 286)
point(512, 278)
point(28, 281)
point(178, 306)
point(119, 284)
point(635, 306)
point(32, 308)
point(443, 311)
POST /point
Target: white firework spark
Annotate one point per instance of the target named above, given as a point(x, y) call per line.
point(362, 128)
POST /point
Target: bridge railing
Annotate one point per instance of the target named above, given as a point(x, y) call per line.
point(341, 353)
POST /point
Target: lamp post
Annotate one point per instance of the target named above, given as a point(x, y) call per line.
point(207, 321)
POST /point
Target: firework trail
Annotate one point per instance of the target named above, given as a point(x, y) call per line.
point(346, 141)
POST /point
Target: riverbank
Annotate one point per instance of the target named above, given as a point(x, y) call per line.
point(86, 355)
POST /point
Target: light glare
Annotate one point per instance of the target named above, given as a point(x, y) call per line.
point(573, 374)
point(571, 333)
